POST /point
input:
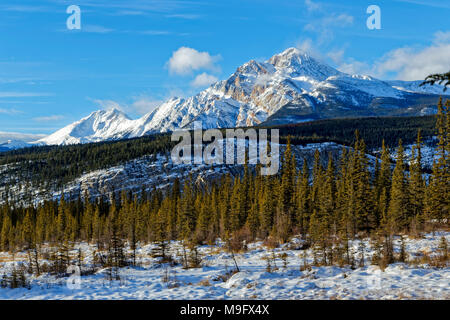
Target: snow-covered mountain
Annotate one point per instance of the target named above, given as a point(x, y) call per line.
point(289, 87)
point(13, 144)
point(98, 126)
point(15, 140)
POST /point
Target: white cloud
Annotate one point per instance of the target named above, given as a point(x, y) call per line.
point(336, 56)
point(184, 16)
point(15, 94)
point(203, 80)
point(406, 63)
point(263, 79)
point(353, 66)
point(155, 32)
point(428, 3)
point(411, 64)
point(186, 60)
point(141, 105)
point(312, 6)
point(55, 117)
point(23, 8)
point(442, 37)
point(95, 29)
point(334, 20)
point(130, 13)
point(325, 26)
point(145, 105)
point(108, 104)
point(10, 111)
point(308, 46)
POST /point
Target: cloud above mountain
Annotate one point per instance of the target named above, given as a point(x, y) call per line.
point(143, 105)
point(406, 63)
point(185, 61)
point(203, 80)
point(413, 64)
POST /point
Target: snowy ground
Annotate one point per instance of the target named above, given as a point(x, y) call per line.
point(398, 281)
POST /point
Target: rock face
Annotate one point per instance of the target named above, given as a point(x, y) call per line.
point(289, 87)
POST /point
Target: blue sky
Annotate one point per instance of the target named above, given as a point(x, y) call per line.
point(135, 54)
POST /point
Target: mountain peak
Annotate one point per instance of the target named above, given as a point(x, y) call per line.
point(292, 51)
point(112, 113)
point(293, 54)
point(298, 63)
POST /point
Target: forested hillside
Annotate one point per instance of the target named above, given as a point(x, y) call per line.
point(61, 164)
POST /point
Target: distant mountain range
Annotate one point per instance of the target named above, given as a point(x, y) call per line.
point(290, 87)
point(14, 140)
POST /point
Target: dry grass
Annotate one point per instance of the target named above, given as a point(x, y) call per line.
point(434, 261)
point(271, 243)
point(204, 283)
point(17, 258)
point(226, 276)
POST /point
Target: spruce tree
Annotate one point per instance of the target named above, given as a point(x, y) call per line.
point(302, 199)
point(398, 206)
point(416, 182)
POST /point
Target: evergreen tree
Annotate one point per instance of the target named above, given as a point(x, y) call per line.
point(302, 197)
point(398, 212)
point(416, 182)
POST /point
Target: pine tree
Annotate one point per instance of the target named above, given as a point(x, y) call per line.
point(327, 205)
point(398, 206)
point(61, 222)
point(28, 230)
point(204, 219)
point(437, 193)
point(235, 206)
point(383, 183)
point(224, 206)
point(132, 224)
point(6, 238)
point(253, 223)
point(416, 182)
point(97, 227)
point(187, 211)
point(267, 206)
point(302, 197)
point(287, 184)
point(175, 194)
point(364, 206)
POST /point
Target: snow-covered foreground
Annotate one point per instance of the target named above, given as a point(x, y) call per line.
point(154, 281)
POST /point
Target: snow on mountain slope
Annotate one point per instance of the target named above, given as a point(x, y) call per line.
point(414, 86)
point(257, 91)
point(13, 144)
point(15, 140)
point(98, 126)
